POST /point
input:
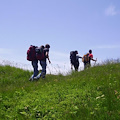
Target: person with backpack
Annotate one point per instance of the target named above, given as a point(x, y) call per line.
point(31, 56)
point(74, 59)
point(43, 62)
point(87, 59)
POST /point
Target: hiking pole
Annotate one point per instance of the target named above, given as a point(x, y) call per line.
point(95, 62)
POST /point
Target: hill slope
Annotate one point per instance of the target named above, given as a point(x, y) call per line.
point(90, 94)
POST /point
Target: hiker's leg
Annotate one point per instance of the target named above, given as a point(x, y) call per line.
point(35, 67)
point(43, 72)
point(87, 65)
point(84, 66)
point(76, 66)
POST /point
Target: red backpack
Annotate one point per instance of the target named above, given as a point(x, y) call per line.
point(31, 53)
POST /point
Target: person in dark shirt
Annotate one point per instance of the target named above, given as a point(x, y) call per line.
point(74, 59)
point(34, 63)
point(43, 62)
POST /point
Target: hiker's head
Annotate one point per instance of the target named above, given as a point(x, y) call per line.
point(42, 46)
point(47, 46)
point(90, 51)
point(76, 51)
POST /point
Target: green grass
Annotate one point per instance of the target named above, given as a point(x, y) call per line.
point(92, 94)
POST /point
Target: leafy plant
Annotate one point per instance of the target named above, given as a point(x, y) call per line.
point(90, 94)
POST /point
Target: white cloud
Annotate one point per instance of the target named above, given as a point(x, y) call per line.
point(111, 11)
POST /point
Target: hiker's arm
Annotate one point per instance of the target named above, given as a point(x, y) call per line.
point(48, 57)
point(79, 56)
point(94, 59)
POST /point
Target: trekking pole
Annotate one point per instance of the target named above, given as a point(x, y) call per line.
point(95, 62)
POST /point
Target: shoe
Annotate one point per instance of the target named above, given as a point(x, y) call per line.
point(36, 78)
point(31, 79)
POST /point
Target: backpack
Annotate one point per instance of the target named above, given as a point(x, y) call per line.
point(31, 53)
point(40, 53)
point(73, 57)
point(86, 58)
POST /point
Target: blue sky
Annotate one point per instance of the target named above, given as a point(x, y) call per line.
point(64, 24)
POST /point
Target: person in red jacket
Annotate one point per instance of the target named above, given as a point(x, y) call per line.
point(90, 57)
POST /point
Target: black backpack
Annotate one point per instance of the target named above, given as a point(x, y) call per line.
point(73, 57)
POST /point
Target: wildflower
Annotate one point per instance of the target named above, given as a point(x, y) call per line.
point(102, 95)
point(26, 108)
point(116, 92)
point(98, 97)
point(118, 97)
point(52, 107)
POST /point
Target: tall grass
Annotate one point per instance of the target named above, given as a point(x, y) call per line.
point(92, 94)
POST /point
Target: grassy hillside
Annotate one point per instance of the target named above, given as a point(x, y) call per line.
point(92, 94)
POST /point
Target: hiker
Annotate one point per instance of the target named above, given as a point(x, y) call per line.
point(74, 59)
point(87, 58)
point(43, 62)
point(31, 56)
